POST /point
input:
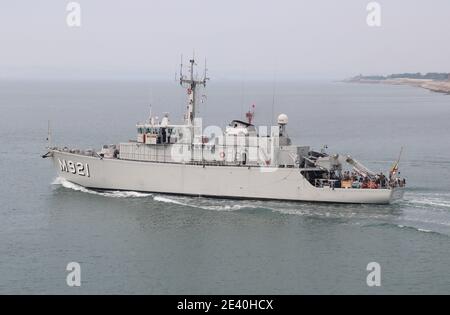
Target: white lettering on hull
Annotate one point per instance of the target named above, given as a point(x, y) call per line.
point(71, 167)
point(62, 165)
point(74, 167)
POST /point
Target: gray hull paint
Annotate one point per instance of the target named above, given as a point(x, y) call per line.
point(213, 181)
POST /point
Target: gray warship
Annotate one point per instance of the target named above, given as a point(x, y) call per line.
point(242, 161)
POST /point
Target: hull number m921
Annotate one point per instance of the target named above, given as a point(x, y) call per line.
point(74, 167)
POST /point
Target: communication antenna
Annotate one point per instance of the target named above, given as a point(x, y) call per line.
point(394, 167)
point(181, 69)
point(151, 115)
point(205, 71)
point(49, 135)
point(242, 97)
point(273, 101)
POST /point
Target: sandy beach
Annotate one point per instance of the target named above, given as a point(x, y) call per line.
point(432, 85)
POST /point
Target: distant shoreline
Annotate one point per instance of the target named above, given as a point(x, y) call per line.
point(439, 86)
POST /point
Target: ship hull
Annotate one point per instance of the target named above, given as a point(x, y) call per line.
point(209, 180)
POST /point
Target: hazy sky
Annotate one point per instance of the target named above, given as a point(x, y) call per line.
point(241, 39)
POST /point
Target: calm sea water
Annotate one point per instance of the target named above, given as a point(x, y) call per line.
point(149, 243)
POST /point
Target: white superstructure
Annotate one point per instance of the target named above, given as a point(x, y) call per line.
point(240, 162)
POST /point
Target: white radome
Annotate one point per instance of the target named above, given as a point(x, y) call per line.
point(282, 119)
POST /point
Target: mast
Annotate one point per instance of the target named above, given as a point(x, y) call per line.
point(191, 84)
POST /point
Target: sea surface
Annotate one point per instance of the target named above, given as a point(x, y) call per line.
point(129, 242)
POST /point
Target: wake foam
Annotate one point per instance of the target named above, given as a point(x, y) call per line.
point(431, 202)
point(112, 193)
point(416, 229)
point(439, 200)
point(168, 200)
point(204, 203)
point(193, 202)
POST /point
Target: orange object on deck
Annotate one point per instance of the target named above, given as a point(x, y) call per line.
point(346, 184)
